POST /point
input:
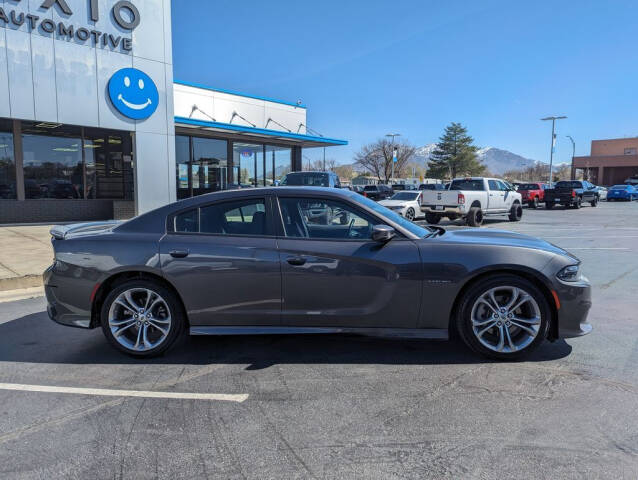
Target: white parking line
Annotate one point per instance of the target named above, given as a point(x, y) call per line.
point(226, 397)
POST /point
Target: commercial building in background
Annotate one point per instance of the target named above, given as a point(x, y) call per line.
point(611, 161)
point(93, 126)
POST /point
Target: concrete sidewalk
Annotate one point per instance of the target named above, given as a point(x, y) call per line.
point(25, 252)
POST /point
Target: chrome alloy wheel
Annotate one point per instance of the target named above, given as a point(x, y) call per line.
point(139, 319)
point(506, 319)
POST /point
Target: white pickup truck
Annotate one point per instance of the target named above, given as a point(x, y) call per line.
point(472, 199)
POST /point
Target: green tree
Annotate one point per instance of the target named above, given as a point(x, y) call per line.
point(455, 155)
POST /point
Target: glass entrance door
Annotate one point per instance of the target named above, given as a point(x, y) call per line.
point(248, 160)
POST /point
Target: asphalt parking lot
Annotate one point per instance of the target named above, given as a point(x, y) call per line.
point(338, 406)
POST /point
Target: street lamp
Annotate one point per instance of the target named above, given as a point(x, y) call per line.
point(393, 153)
point(573, 154)
point(551, 154)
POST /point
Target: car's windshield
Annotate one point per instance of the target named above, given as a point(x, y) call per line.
point(369, 188)
point(306, 179)
point(528, 186)
point(467, 184)
point(567, 184)
point(405, 196)
point(390, 215)
point(619, 187)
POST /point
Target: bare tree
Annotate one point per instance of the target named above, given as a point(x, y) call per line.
point(376, 158)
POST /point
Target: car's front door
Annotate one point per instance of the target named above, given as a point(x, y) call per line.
point(223, 260)
point(334, 274)
point(496, 201)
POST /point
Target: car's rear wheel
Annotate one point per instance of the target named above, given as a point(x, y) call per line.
point(432, 218)
point(503, 317)
point(141, 318)
point(409, 214)
point(594, 202)
point(516, 212)
point(549, 205)
point(475, 217)
point(578, 203)
point(533, 203)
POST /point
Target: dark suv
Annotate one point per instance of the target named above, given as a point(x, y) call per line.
point(311, 179)
point(377, 192)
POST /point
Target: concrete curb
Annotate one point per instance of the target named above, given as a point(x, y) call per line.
point(21, 294)
point(15, 283)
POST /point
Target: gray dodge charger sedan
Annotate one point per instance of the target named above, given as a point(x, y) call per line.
point(310, 260)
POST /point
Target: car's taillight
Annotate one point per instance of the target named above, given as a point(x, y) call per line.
point(461, 199)
point(573, 193)
point(365, 194)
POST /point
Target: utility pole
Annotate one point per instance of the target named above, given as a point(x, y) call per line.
point(551, 154)
point(573, 172)
point(394, 154)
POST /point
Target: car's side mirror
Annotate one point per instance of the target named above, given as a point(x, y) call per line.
point(383, 233)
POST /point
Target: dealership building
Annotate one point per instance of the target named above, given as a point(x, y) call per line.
point(610, 162)
point(93, 125)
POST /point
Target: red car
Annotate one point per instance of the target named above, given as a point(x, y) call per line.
point(532, 193)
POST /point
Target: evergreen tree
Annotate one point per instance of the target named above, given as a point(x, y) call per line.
point(455, 155)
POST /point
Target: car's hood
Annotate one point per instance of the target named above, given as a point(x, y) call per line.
point(501, 237)
point(393, 203)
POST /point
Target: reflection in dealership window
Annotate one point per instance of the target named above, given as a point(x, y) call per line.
point(319, 218)
point(210, 166)
point(278, 163)
point(109, 167)
point(52, 164)
point(7, 162)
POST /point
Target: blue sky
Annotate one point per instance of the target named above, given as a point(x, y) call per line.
point(365, 68)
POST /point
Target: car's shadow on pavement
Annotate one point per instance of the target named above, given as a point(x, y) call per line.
point(36, 339)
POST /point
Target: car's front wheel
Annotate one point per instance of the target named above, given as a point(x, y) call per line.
point(409, 214)
point(516, 212)
point(503, 317)
point(141, 318)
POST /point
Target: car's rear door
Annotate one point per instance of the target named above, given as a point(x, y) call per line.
point(222, 257)
point(334, 274)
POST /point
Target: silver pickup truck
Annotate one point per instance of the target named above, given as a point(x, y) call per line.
point(472, 199)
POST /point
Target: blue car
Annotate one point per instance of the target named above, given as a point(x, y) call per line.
point(622, 192)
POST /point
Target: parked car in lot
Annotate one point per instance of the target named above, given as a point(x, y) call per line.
point(405, 203)
point(532, 193)
point(472, 199)
point(251, 261)
point(432, 186)
point(377, 192)
point(311, 179)
point(622, 192)
point(571, 193)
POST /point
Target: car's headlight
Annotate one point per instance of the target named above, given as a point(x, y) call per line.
point(570, 273)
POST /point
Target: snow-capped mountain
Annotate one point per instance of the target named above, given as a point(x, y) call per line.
point(498, 161)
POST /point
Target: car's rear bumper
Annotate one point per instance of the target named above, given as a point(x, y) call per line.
point(452, 209)
point(575, 302)
point(60, 310)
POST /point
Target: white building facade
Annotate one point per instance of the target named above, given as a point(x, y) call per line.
point(92, 125)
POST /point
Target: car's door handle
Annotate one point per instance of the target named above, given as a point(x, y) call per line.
point(178, 253)
point(297, 261)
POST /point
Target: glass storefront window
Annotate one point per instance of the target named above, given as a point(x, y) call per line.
point(209, 168)
point(278, 163)
point(52, 162)
point(248, 160)
point(7, 162)
point(182, 161)
point(109, 164)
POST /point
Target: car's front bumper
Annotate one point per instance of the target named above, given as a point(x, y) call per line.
point(575, 302)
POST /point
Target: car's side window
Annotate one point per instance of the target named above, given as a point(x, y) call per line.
point(187, 222)
point(493, 184)
point(501, 186)
point(323, 218)
point(242, 217)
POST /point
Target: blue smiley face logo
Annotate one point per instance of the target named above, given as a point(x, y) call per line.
point(133, 93)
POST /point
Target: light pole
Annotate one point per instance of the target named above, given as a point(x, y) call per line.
point(573, 177)
point(393, 153)
point(551, 154)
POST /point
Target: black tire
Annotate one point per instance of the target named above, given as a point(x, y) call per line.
point(409, 214)
point(176, 312)
point(549, 205)
point(474, 217)
point(578, 203)
point(463, 320)
point(594, 202)
point(432, 218)
point(516, 212)
point(533, 203)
